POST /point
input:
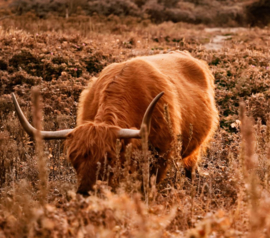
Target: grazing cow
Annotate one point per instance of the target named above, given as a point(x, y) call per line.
point(120, 100)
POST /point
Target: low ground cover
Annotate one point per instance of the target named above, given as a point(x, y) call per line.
point(230, 197)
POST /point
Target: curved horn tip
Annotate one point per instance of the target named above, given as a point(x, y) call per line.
point(148, 113)
point(161, 93)
point(46, 135)
point(151, 107)
point(14, 99)
point(130, 133)
point(155, 100)
point(13, 96)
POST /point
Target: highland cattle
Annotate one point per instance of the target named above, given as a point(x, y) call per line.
point(128, 95)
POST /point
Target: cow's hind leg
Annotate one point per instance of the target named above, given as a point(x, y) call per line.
point(190, 163)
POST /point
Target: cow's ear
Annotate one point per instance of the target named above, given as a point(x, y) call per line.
point(70, 135)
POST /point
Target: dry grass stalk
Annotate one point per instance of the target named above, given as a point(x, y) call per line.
point(118, 166)
point(145, 163)
point(177, 142)
point(251, 163)
point(97, 176)
point(42, 163)
point(127, 168)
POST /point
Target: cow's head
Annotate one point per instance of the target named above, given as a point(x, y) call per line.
point(90, 143)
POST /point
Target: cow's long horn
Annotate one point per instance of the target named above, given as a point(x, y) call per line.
point(46, 135)
point(130, 133)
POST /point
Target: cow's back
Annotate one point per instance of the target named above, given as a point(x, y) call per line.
point(123, 91)
point(191, 86)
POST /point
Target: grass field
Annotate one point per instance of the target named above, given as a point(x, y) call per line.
point(230, 197)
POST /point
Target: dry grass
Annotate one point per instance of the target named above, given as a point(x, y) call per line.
point(230, 197)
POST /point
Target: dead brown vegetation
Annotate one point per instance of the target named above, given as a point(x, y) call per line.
point(230, 198)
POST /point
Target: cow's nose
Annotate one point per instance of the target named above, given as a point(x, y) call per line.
point(83, 193)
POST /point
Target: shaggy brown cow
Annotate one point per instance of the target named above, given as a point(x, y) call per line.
point(118, 99)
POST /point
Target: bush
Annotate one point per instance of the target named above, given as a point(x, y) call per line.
point(115, 7)
point(214, 13)
point(258, 13)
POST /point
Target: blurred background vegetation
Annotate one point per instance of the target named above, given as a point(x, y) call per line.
point(209, 12)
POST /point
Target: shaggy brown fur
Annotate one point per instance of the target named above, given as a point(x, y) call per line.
point(119, 98)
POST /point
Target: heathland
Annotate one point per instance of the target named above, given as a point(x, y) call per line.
point(230, 195)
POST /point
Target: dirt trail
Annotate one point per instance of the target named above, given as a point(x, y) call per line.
point(220, 36)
